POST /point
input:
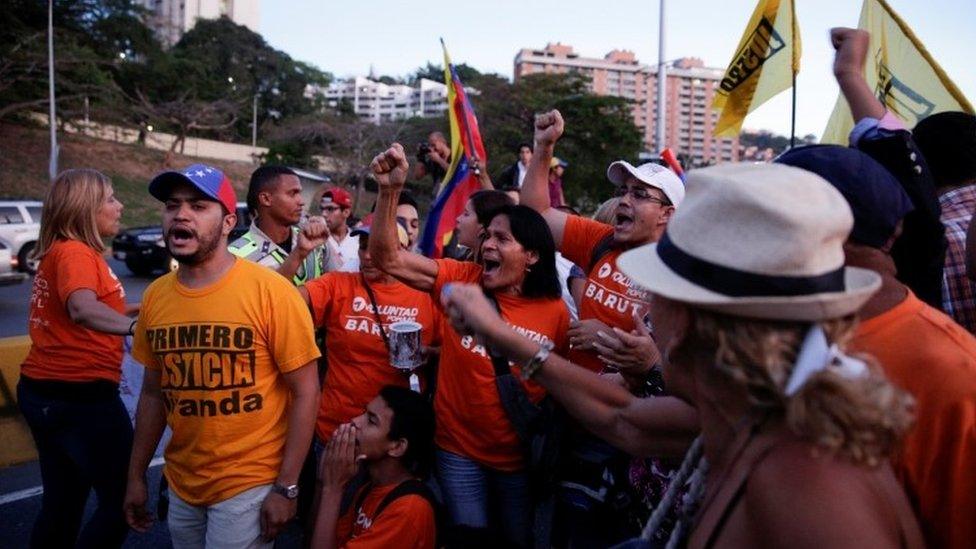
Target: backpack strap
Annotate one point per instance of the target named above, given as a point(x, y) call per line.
point(409, 487)
point(602, 248)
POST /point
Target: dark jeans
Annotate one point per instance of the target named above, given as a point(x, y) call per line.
point(83, 438)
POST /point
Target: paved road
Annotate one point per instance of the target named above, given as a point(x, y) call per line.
point(14, 299)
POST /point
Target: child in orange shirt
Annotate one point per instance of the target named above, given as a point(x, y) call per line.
point(392, 507)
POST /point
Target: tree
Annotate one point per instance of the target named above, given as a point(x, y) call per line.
point(187, 114)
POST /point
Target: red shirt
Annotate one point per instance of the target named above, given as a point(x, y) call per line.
point(359, 363)
point(61, 349)
point(924, 352)
point(470, 419)
point(608, 295)
point(407, 522)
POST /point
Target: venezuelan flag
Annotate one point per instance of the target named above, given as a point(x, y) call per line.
point(460, 180)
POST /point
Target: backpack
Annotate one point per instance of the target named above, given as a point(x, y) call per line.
point(353, 501)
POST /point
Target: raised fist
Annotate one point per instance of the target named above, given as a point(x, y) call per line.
point(314, 232)
point(390, 168)
point(548, 128)
point(852, 50)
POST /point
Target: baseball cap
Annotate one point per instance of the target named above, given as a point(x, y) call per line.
point(652, 174)
point(401, 233)
point(338, 196)
point(207, 179)
point(556, 161)
point(877, 199)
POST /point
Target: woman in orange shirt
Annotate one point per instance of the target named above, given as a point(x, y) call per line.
point(68, 389)
point(480, 464)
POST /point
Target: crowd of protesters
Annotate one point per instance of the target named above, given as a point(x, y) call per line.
point(771, 354)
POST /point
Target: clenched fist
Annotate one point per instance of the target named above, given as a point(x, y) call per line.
point(852, 50)
point(548, 128)
point(390, 168)
point(314, 232)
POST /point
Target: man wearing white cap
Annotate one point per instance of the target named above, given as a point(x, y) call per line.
point(605, 334)
point(610, 332)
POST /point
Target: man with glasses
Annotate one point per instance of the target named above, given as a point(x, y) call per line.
point(608, 335)
point(336, 205)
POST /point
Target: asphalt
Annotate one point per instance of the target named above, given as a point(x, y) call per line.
point(15, 299)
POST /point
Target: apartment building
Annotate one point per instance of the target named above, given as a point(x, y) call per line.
point(378, 102)
point(688, 97)
point(170, 19)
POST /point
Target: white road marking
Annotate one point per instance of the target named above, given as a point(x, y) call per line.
point(35, 491)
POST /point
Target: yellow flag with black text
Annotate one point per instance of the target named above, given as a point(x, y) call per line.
point(765, 62)
point(902, 73)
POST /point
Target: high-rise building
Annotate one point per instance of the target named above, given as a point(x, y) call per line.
point(377, 102)
point(690, 89)
point(170, 19)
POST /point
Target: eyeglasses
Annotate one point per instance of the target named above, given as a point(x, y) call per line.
point(640, 194)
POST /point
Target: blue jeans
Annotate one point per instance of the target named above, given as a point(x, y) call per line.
point(82, 444)
point(477, 497)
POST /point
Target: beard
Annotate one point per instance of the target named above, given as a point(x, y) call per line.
point(206, 246)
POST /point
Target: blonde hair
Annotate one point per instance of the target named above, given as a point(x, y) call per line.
point(860, 418)
point(70, 209)
point(604, 212)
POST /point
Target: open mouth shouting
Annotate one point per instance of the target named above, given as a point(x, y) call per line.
point(622, 221)
point(180, 236)
point(491, 266)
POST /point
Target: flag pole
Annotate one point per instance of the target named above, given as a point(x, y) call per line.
point(795, 67)
point(793, 117)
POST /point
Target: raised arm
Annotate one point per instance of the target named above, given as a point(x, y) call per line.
point(390, 170)
point(535, 188)
point(852, 51)
point(655, 426)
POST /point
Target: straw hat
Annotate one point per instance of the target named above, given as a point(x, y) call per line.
point(758, 241)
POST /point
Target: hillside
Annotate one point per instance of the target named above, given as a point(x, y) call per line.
point(24, 165)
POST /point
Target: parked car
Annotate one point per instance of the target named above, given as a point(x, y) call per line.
point(8, 267)
point(20, 225)
point(144, 252)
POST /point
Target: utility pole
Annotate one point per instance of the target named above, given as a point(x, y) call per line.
point(662, 83)
point(254, 122)
point(52, 119)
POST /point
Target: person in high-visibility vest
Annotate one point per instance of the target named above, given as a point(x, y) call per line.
point(276, 239)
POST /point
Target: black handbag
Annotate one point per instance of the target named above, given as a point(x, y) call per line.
point(540, 427)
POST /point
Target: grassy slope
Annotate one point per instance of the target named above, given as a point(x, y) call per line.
point(24, 165)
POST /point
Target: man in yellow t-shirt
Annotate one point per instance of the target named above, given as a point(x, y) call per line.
point(229, 354)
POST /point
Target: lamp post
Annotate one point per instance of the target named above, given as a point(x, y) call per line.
point(52, 117)
point(662, 82)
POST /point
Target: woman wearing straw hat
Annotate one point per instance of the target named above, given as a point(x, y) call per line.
point(752, 304)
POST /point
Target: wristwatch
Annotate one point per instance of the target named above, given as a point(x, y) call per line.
point(290, 492)
point(533, 365)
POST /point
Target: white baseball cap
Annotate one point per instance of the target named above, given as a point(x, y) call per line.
point(652, 174)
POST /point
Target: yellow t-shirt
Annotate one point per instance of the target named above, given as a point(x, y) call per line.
point(222, 350)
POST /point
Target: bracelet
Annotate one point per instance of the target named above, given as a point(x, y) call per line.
point(533, 365)
point(132, 327)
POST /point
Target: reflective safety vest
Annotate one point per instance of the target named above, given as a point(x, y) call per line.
point(255, 246)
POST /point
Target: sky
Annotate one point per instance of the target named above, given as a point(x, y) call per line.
point(395, 37)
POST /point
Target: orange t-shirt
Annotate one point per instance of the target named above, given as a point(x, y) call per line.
point(407, 522)
point(470, 418)
point(359, 363)
point(222, 350)
point(60, 349)
point(924, 352)
point(608, 295)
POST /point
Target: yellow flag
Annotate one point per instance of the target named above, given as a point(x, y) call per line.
point(900, 71)
point(765, 62)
